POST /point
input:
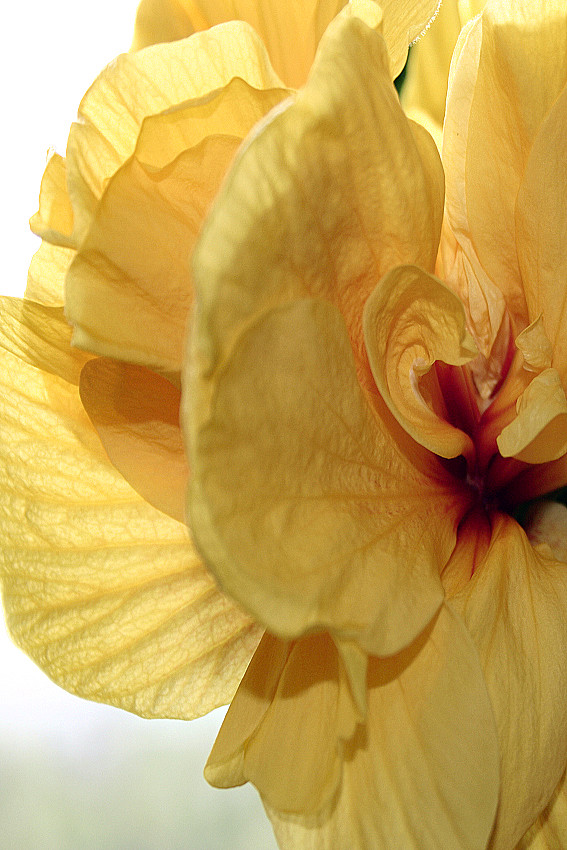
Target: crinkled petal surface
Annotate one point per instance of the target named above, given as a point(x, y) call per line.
point(421, 773)
point(549, 831)
point(538, 434)
point(103, 591)
point(290, 31)
point(514, 608)
point(301, 496)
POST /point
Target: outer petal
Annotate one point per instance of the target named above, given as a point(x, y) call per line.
point(54, 219)
point(46, 274)
point(135, 258)
point(136, 415)
point(146, 83)
point(541, 226)
point(411, 320)
point(514, 607)
point(422, 772)
point(291, 32)
point(549, 832)
point(341, 180)
point(301, 500)
point(103, 591)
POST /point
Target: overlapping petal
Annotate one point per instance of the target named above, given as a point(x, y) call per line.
point(103, 591)
point(146, 83)
point(420, 773)
point(291, 31)
point(514, 608)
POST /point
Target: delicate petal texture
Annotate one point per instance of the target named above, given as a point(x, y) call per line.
point(136, 415)
point(522, 66)
point(135, 257)
point(422, 772)
point(46, 274)
point(541, 227)
point(411, 320)
point(535, 347)
point(549, 832)
point(291, 31)
point(514, 607)
point(300, 498)
point(103, 591)
point(538, 434)
point(146, 83)
point(54, 220)
point(342, 164)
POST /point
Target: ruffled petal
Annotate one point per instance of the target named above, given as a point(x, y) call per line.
point(538, 434)
point(411, 320)
point(302, 501)
point(134, 260)
point(541, 226)
point(421, 773)
point(136, 415)
point(341, 179)
point(46, 274)
point(103, 591)
point(146, 83)
point(514, 607)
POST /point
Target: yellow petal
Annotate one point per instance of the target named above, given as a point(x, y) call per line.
point(514, 607)
point(546, 524)
point(301, 500)
point(423, 771)
point(54, 219)
point(341, 179)
point(538, 434)
point(146, 83)
point(535, 347)
point(134, 261)
point(102, 590)
point(541, 221)
point(46, 274)
point(290, 31)
point(510, 71)
point(549, 832)
point(136, 415)
point(411, 320)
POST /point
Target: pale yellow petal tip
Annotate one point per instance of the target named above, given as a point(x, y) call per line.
point(534, 345)
point(546, 525)
point(538, 434)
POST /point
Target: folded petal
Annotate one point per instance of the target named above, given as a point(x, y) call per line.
point(103, 591)
point(136, 415)
point(514, 607)
point(412, 320)
point(302, 501)
point(146, 83)
point(341, 179)
point(538, 434)
point(421, 773)
point(541, 227)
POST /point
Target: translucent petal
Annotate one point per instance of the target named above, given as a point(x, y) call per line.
point(411, 320)
point(136, 415)
point(54, 219)
point(146, 83)
point(514, 608)
point(46, 274)
point(302, 501)
point(422, 772)
point(102, 590)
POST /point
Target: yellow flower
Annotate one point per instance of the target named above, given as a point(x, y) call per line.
point(376, 382)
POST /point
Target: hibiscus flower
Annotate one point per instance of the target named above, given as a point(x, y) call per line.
point(374, 382)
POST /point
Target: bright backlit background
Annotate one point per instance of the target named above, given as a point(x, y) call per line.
point(75, 775)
